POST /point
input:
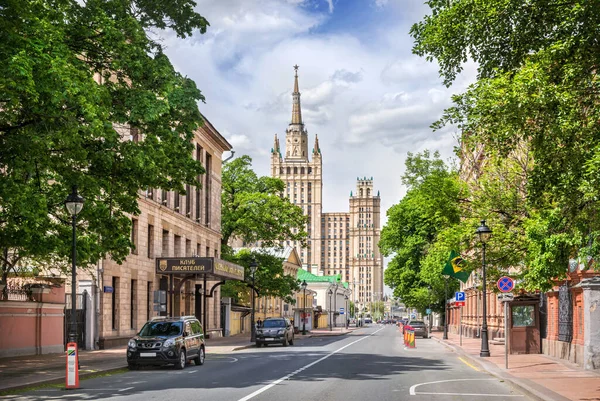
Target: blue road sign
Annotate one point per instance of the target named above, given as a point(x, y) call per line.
point(459, 296)
point(428, 311)
point(413, 316)
point(506, 284)
point(341, 311)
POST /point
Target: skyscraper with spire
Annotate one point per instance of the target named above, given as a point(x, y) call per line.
point(343, 243)
point(303, 177)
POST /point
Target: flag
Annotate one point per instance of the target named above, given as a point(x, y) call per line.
point(456, 267)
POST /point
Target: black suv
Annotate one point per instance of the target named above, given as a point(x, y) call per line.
point(167, 340)
point(275, 330)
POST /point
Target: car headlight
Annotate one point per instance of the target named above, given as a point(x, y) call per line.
point(169, 343)
point(280, 331)
point(132, 344)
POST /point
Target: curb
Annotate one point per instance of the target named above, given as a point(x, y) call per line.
point(530, 388)
point(82, 376)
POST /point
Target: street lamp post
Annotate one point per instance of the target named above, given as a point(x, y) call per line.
point(74, 204)
point(253, 267)
point(347, 319)
point(484, 233)
point(304, 285)
point(330, 292)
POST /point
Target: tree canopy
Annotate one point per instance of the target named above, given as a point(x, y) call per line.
point(430, 207)
point(254, 211)
point(536, 95)
point(80, 81)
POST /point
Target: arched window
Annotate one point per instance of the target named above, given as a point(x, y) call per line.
point(361, 192)
point(301, 170)
point(295, 170)
point(368, 192)
point(288, 170)
point(280, 170)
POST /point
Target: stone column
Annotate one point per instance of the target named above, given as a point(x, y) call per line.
point(591, 321)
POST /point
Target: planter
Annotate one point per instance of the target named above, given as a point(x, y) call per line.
point(40, 290)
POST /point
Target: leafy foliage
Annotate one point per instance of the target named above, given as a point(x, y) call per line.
point(430, 207)
point(536, 96)
point(75, 76)
point(254, 211)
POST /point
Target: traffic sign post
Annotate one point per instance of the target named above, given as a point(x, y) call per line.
point(506, 284)
point(341, 311)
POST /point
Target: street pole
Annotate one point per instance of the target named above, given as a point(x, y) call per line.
point(445, 336)
point(330, 292)
point(485, 350)
point(460, 325)
point(506, 335)
point(252, 328)
point(73, 331)
point(304, 312)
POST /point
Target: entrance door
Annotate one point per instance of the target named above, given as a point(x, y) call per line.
point(198, 303)
point(525, 328)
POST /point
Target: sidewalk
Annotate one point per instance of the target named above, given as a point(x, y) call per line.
point(540, 376)
point(27, 371)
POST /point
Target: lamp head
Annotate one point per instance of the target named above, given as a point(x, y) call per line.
point(483, 232)
point(253, 265)
point(330, 292)
point(304, 284)
point(74, 202)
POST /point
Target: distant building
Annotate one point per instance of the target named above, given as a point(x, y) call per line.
point(343, 243)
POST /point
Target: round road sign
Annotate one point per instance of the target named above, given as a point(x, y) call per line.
point(506, 284)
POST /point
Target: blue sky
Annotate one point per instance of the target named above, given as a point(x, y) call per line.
point(367, 97)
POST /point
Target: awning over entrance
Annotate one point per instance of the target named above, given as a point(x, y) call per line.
point(208, 267)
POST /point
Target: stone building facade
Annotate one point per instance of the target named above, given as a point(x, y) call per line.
point(170, 224)
point(343, 243)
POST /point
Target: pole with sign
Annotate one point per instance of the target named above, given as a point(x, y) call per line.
point(72, 366)
point(505, 298)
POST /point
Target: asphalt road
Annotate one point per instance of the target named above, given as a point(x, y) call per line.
point(368, 364)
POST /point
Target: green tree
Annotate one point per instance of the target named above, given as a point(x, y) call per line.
point(430, 206)
point(75, 77)
point(537, 87)
point(254, 211)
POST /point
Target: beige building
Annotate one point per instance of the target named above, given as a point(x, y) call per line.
point(342, 243)
point(170, 225)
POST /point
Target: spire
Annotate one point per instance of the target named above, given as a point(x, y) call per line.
point(316, 148)
point(296, 112)
point(276, 144)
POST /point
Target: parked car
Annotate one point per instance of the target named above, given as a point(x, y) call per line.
point(368, 320)
point(166, 341)
point(275, 330)
point(420, 328)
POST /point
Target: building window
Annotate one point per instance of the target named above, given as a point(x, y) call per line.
point(176, 198)
point(114, 306)
point(188, 247)
point(165, 244)
point(150, 241)
point(198, 249)
point(164, 197)
point(148, 299)
point(177, 246)
point(207, 251)
point(134, 235)
point(207, 189)
point(134, 134)
point(133, 304)
point(188, 201)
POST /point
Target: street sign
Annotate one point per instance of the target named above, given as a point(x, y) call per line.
point(506, 297)
point(428, 311)
point(459, 303)
point(459, 296)
point(506, 284)
point(341, 311)
point(72, 379)
point(413, 316)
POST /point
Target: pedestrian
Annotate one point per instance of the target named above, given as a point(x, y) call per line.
point(259, 323)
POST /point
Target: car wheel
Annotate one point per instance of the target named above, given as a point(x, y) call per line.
point(292, 341)
point(133, 366)
point(182, 360)
point(285, 342)
point(199, 360)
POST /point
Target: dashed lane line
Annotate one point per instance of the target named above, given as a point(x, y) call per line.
point(284, 378)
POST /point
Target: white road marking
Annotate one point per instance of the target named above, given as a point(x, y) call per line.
point(276, 382)
point(413, 392)
point(126, 388)
point(473, 395)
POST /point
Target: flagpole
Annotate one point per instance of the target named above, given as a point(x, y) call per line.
point(445, 337)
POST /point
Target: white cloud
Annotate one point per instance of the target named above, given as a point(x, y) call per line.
point(369, 99)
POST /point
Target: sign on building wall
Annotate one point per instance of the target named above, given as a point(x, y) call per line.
point(206, 266)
